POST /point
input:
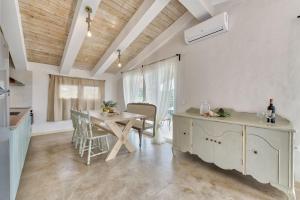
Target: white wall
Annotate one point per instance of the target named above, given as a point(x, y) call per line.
point(257, 59)
point(40, 78)
point(21, 96)
point(4, 65)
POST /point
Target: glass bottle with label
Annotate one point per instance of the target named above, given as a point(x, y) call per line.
point(271, 112)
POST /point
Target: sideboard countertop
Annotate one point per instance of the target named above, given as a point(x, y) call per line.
point(242, 118)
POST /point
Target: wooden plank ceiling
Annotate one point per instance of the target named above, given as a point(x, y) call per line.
point(110, 19)
point(46, 26)
point(167, 17)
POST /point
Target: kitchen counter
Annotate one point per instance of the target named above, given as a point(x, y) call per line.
point(15, 120)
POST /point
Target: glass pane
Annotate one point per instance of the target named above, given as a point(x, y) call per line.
point(68, 92)
point(90, 92)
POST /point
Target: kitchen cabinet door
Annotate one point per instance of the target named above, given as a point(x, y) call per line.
point(203, 141)
point(219, 143)
point(182, 139)
point(228, 146)
point(267, 155)
point(262, 160)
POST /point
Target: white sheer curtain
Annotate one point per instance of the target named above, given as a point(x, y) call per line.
point(158, 83)
point(133, 86)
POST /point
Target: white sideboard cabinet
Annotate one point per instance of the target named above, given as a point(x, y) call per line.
point(241, 142)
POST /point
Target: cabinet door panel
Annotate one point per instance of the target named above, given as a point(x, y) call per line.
point(218, 142)
point(262, 159)
point(274, 147)
point(182, 133)
point(229, 149)
point(202, 143)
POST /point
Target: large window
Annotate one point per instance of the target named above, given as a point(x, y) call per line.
point(90, 92)
point(71, 92)
point(67, 93)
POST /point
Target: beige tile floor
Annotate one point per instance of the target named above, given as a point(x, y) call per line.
point(54, 171)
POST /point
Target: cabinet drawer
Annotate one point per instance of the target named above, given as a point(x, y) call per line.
point(182, 133)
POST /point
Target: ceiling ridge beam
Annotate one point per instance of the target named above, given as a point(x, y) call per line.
point(77, 34)
point(200, 9)
point(13, 32)
point(179, 25)
point(138, 22)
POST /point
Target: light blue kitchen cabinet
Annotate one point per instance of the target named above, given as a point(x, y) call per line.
point(18, 145)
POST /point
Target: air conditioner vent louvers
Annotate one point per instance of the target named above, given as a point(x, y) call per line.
point(207, 29)
point(203, 36)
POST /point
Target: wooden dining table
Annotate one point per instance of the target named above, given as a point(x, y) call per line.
point(109, 123)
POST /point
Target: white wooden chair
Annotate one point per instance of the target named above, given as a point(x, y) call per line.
point(75, 123)
point(92, 138)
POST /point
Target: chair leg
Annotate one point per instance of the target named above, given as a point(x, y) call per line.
point(100, 144)
point(77, 140)
point(81, 143)
point(107, 144)
point(82, 147)
point(89, 152)
point(140, 137)
point(73, 136)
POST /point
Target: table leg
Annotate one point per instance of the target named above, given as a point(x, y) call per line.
point(122, 138)
point(113, 153)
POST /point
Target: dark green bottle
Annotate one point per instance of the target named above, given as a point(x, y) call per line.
point(271, 112)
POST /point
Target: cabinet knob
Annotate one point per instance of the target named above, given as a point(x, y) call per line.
point(211, 140)
point(215, 141)
point(184, 133)
point(219, 142)
point(255, 152)
point(206, 138)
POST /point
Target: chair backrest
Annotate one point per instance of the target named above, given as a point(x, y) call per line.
point(85, 124)
point(75, 119)
point(149, 110)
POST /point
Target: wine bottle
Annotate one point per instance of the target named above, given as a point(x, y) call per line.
point(271, 112)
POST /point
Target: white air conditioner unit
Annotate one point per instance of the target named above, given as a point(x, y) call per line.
point(209, 28)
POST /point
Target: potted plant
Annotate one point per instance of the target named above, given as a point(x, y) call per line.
point(108, 106)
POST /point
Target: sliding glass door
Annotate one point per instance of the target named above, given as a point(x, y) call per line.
point(154, 84)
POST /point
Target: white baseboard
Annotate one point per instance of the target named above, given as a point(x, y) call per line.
point(51, 132)
point(52, 127)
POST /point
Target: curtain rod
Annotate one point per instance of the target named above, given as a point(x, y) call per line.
point(176, 55)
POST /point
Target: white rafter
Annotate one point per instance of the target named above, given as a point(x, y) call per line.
point(12, 30)
point(200, 9)
point(77, 34)
point(179, 25)
point(139, 21)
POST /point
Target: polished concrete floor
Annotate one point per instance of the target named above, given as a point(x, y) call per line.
point(54, 171)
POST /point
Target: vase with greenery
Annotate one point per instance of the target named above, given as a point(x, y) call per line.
point(108, 106)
